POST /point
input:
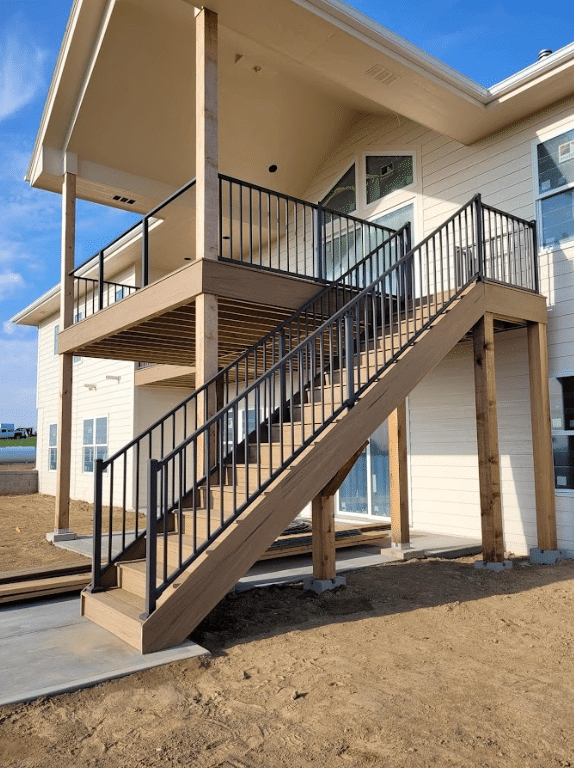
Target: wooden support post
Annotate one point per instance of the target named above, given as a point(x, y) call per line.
point(206, 362)
point(542, 437)
point(323, 522)
point(397, 429)
point(64, 442)
point(487, 437)
point(206, 136)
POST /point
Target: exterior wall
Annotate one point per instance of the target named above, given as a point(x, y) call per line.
point(444, 470)
point(443, 450)
point(111, 398)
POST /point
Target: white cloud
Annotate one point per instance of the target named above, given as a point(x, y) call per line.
point(10, 282)
point(21, 72)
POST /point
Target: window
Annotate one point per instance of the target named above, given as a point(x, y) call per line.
point(562, 413)
point(53, 447)
point(95, 441)
point(386, 173)
point(56, 332)
point(555, 163)
point(343, 197)
point(120, 293)
point(77, 317)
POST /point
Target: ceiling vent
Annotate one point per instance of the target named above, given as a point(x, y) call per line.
point(120, 199)
point(382, 75)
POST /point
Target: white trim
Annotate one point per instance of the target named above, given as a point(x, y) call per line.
point(338, 178)
point(94, 444)
point(542, 138)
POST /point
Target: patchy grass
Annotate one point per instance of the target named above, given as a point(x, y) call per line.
point(9, 443)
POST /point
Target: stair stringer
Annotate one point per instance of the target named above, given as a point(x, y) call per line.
point(216, 571)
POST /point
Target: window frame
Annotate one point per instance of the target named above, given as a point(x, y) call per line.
point(94, 445)
point(554, 376)
point(370, 209)
point(52, 448)
point(338, 178)
point(544, 137)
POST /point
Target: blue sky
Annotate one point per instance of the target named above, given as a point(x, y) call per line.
point(485, 41)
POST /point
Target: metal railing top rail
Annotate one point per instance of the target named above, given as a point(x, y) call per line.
point(135, 226)
point(308, 204)
point(372, 315)
point(260, 343)
point(244, 395)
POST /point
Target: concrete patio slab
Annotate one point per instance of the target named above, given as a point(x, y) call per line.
point(47, 648)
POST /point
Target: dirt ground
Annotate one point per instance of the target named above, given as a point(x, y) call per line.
point(25, 520)
point(426, 664)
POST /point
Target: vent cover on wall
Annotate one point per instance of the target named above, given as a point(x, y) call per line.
point(382, 75)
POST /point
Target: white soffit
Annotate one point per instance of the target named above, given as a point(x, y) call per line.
point(327, 61)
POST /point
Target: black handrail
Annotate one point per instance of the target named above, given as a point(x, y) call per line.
point(320, 377)
point(281, 233)
point(180, 421)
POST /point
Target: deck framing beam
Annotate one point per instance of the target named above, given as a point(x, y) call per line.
point(487, 438)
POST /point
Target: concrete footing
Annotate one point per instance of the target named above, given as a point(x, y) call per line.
point(491, 566)
point(63, 535)
point(323, 585)
point(544, 556)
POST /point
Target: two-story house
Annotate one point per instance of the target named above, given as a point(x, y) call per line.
point(337, 229)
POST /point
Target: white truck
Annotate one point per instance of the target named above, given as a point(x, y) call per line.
point(7, 431)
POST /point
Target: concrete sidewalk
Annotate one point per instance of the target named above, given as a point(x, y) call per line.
point(47, 648)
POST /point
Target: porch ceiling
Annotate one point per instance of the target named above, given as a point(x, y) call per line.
point(293, 75)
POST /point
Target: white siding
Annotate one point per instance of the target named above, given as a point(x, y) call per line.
point(444, 463)
point(111, 398)
point(443, 434)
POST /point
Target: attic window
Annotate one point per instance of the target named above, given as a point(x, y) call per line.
point(120, 199)
point(387, 173)
point(343, 196)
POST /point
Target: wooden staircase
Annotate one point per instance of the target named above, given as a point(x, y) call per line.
point(325, 380)
point(186, 602)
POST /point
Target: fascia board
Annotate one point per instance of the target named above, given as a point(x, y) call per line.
point(535, 72)
point(93, 27)
point(350, 20)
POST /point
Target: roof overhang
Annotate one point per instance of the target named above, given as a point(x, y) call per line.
point(293, 76)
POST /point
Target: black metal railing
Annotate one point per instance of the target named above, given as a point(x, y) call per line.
point(270, 230)
point(128, 466)
point(294, 383)
point(93, 294)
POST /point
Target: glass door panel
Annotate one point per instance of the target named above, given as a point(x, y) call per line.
point(353, 493)
point(379, 469)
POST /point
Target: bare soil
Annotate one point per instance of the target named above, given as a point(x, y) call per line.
point(25, 520)
point(425, 664)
